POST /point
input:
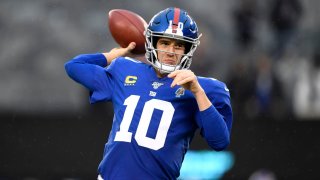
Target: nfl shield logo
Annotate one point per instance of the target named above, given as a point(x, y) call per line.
point(156, 85)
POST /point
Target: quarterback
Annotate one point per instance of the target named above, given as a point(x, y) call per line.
point(158, 105)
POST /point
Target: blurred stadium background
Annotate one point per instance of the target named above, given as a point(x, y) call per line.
point(269, 59)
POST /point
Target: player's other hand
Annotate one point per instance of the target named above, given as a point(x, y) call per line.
point(187, 79)
point(119, 51)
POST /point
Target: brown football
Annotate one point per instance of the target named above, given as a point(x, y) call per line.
point(126, 26)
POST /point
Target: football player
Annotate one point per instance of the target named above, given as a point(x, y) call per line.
point(159, 105)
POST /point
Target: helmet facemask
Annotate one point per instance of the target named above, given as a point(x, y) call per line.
point(152, 51)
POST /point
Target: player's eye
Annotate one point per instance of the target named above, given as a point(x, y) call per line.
point(165, 43)
point(180, 45)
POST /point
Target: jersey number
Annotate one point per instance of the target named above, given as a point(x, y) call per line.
point(141, 133)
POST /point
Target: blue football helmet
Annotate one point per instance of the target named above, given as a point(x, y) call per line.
point(171, 23)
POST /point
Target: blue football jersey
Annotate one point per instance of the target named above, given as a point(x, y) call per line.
point(153, 123)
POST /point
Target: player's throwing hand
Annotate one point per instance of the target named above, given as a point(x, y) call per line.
point(117, 52)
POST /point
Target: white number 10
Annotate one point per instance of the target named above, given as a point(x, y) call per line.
point(141, 133)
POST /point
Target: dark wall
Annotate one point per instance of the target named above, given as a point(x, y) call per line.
point(288, 148)
point(53, 146)
point(57, 146)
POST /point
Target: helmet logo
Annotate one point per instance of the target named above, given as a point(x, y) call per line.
point(175, 28)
